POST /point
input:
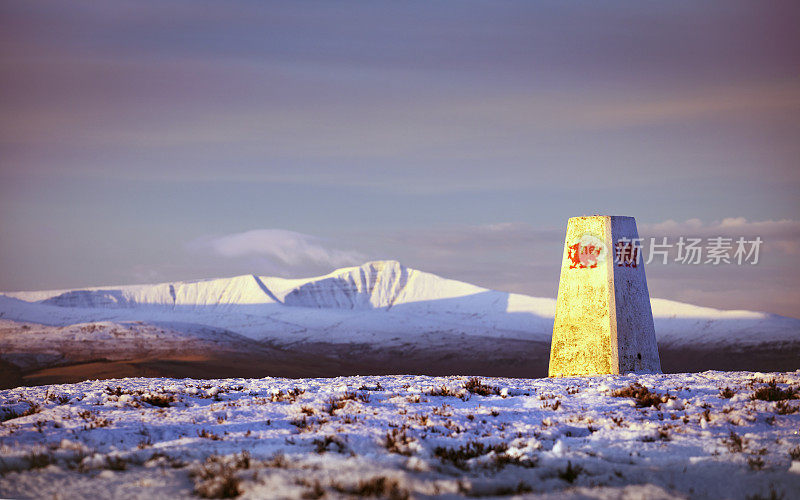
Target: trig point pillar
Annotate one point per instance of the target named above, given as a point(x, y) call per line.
point(603, 323)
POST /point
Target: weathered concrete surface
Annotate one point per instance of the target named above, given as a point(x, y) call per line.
point(603, 322)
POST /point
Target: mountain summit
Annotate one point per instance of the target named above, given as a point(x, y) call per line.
point(374, 285)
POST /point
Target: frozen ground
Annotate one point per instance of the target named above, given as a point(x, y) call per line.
point(703, 435)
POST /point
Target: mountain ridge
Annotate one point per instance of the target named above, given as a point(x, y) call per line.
point(380, 317)
point(341, 307)
point(343, 287)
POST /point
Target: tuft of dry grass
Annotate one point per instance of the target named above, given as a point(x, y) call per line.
point(555, 406)
point(474, 449)
point(771, 392)
point(159, 400)
point(207, 434)
point(10, 413)
point(475, 386)
point(355, 396)
point(398, 442)
point(443, 391)
point(111, 391)
point(519, 489)
point(116, 463)
point(784, 408)
point(755, 463)
point(300, 423)
point(217, 477)
point(316, 490)
point(39, 460)
point(641, 395)
point(734, 443)
point(324, 444)
point(570, 473)
point(290, 396)
point(443, 411)
point(379, 486)
point(334, 404)
point(278, 461)
point(93, 421)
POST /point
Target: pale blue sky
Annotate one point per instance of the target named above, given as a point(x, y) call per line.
point(130, 131)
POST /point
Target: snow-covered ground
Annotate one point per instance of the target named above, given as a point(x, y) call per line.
point(703, 435)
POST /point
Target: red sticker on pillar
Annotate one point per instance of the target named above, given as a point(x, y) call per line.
point(586, 252)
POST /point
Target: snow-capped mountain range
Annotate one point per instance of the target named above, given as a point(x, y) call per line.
point(378, 306)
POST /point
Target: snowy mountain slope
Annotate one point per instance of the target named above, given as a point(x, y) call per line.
point(374, 285)
point(680, 323)
point(359, 304)
point(216, 293)
point(369, 303)
point(381, 317)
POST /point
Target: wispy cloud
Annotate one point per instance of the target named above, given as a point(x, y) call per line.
point(279, 246)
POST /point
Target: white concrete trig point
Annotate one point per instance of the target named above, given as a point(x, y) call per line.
point(603, 324)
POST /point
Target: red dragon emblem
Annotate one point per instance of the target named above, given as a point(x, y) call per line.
point(583, 256)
